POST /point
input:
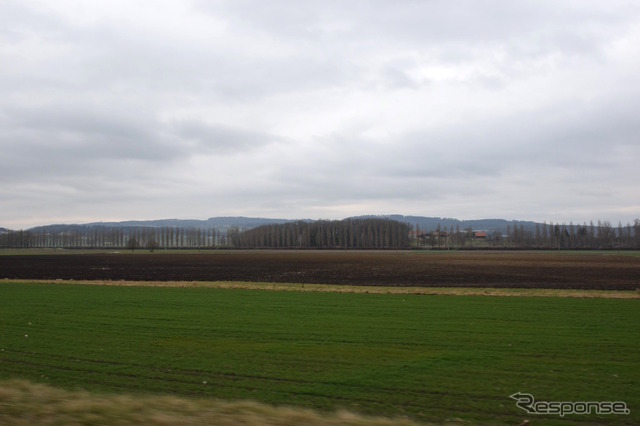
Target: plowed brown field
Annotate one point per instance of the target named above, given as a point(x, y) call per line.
point(609, 271)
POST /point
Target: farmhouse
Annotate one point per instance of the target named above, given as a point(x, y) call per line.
point(480, 235)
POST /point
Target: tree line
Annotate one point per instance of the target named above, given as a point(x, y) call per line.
point(355, 233)
point(348, 233)
point(78, 236)
point(327, 234)
point(601, 236)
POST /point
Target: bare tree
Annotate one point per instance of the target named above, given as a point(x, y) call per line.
point(132, 243)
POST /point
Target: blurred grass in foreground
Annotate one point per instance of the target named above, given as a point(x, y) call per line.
point(26, 403)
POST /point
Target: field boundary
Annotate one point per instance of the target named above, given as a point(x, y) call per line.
point(337, 288)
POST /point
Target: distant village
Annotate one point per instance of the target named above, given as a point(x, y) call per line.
point(456, 239)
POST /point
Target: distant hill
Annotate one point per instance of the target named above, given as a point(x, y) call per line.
point(431, 223)
point(225, 222)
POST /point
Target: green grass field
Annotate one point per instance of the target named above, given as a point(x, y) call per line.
point(431, 358)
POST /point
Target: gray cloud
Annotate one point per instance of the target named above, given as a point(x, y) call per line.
point(63, 140)
point(218, 139)
point(318, 109)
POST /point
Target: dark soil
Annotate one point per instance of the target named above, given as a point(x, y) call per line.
point(384, 268)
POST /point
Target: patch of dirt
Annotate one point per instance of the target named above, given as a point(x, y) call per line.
point(384, 268)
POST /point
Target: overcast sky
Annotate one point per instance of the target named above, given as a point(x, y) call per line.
point(116, 110)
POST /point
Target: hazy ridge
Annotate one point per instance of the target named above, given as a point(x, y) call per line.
point(425, 223)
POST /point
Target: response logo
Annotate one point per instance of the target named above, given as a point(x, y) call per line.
point(526, 402)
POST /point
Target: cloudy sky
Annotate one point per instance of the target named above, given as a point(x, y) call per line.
point(115, 110)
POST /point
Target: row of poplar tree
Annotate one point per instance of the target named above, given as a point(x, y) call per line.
point(543, 236)
point(348, 233)
point(130, 237)
point(374, 233)
point(327, 234)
